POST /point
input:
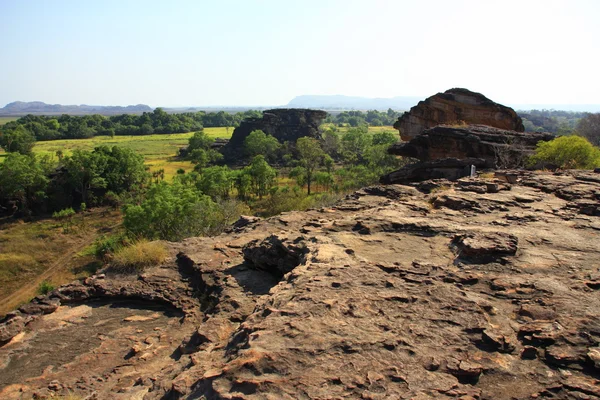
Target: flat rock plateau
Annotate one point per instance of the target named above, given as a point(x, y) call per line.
point(474, 289)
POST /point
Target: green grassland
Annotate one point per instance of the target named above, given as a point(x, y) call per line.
point(158, 150)
point(4, 120)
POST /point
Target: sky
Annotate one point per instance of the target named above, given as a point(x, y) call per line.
point(264, 53)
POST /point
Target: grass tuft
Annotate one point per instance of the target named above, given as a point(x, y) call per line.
point(138, 256)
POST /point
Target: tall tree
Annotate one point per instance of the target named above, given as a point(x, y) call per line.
point(262, 176)
point(311, 157)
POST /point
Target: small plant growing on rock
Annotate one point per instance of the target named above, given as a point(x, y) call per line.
point(45, 287)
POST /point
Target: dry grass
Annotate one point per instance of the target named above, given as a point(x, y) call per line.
point(487, 175)
point(37, 251)
point(138, 256)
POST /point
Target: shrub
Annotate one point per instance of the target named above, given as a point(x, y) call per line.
point(45, 287)
point(138, 256)
point(105, 246)
point(65, 217)
point(567, 152)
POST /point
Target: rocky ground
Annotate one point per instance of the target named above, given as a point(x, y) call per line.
point(476, 289)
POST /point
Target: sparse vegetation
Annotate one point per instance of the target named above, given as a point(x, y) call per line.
point(138, 255)
point(38, 250)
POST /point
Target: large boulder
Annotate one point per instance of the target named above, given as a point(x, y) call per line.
point(498, 147)
point(455, 106)
point(285, 124)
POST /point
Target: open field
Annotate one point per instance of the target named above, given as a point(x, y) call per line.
point(158, 150)
point(4, 120)
point(41, 250)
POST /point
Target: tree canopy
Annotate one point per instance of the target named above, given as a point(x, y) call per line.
point(567, 152)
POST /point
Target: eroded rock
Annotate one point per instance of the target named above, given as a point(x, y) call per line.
point(395, 292)
point(456, 106)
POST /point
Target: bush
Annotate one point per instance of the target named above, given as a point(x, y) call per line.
point(65, 217)
point(105, 246)
point(138, 256)
point(45, 287)
point(567, 152)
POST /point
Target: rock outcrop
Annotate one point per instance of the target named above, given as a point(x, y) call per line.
point(498, 147)
point(285, 124)
point(455, 106)
point(474, 289)
point(457, 129)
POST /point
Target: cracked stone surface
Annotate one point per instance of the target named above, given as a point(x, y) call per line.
point(468, 290)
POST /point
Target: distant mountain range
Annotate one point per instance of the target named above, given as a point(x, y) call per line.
point(322, 102)
point(18, 108)
point(337, 102)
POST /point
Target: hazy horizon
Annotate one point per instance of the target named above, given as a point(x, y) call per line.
point(264, 53)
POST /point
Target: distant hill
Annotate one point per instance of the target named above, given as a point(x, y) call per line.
point(337, 102)
point(18, 108)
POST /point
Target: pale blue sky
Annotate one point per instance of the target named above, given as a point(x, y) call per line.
point(250, 52)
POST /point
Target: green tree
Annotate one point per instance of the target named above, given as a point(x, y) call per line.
point(324, 179)
point(262, 176)
point(331, 143)
point(243, 184)
point(568, 152)
point(23, 179)
point(172, 212)
point(259, 143)
point(310, 157)
point(199, 151)
point(85, 171)
point(216, 182)
point(200, 140)
point(124, 169)
point(354, 145)
point(18, 140)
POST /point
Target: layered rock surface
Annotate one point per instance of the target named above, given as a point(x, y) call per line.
point(475, 289)
point(447, 151)
point(453, 106)
point(285, 124)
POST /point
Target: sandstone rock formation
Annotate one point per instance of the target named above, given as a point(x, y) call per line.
point(285, 124)
point(453, 106)
point(495, 146)
point(474, 289)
